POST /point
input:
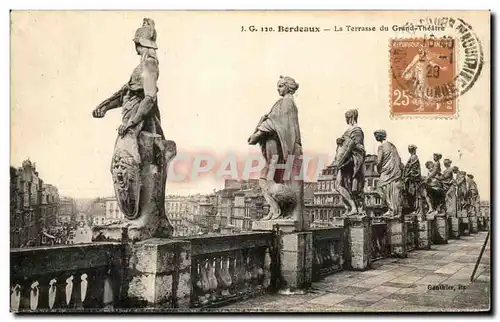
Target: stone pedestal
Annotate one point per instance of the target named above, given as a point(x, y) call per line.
point(159, 274)
point(480, 224)
point(119, 233)
point(486, 223)
point(397, 230)
point(296, 260)
point(424, 233)
point(296, 252)
point(473, 224)
point(440, 229)
point(454, 227)
point(464, 226)
point(285, 225)
point(358, 231)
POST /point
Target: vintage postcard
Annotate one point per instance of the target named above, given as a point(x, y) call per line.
point(250, 161)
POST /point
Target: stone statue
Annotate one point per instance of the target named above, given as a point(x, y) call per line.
point(141, 154)
point(412, 178)
point(472, 194)
point(349, 164)
point(461, 189)
point(278, 134)
point(390, 168)
point(435, 194)
point(449, 186)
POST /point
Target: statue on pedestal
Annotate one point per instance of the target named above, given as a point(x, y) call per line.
point(461, 179)
point(449, 186)
point(142, 154)
point(413, 183)
point(349, 165)
point(472, 194)
point(435, 193)
point(390, 168)
point(278, 134)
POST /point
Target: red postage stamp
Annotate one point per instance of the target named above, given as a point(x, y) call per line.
point(423, 77)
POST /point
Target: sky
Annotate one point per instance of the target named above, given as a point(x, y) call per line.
point(215, 83)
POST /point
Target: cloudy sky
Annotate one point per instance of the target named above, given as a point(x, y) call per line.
point(215, 83)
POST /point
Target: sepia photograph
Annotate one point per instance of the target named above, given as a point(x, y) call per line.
point(250, 161)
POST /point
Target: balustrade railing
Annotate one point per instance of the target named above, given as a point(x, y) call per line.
point(380, 239)
point(328, 251)
point(65, 278)
point(230, 267)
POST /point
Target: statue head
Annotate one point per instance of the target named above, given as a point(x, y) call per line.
point(455, 169)
point(145, 36)
point(470, 176)
point(351, 116)
point(447, 163)
point(287, 85)
point(380, 135)
point(429, 165)
point(463, 173)
point(437, 156)
point(412, 148)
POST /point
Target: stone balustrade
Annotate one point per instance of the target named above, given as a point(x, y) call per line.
point(328, 251)
point(228, 268)
point(181, 273)
point(78, 277)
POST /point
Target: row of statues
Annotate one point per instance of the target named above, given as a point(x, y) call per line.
point(142, 155)
point(402, 187)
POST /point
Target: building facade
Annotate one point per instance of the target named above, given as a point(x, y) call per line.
point(33, 206)
point(106, 211)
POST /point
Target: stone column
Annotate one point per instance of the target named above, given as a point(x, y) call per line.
point(358, 232)
point(159, 273)
point(424, 233)
point(397, 236)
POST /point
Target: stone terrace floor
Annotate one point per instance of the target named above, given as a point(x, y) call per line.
point(396, 284)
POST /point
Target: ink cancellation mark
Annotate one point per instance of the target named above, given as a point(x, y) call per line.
point(428, 74)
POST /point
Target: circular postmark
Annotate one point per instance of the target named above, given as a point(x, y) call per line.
point(442, 64)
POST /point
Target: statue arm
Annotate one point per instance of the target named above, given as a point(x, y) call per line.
point(114, 101)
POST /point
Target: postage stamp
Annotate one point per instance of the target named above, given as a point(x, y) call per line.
point(423, 76)
point(430, 73)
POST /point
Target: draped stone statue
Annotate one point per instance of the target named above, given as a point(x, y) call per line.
point(278, 134)
point(461, 179)
point(472, 195)
point(390, 168)
point(435, 193)
point(412, 179)
point(142, 154)
point(449, 186)
point(349, 165)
